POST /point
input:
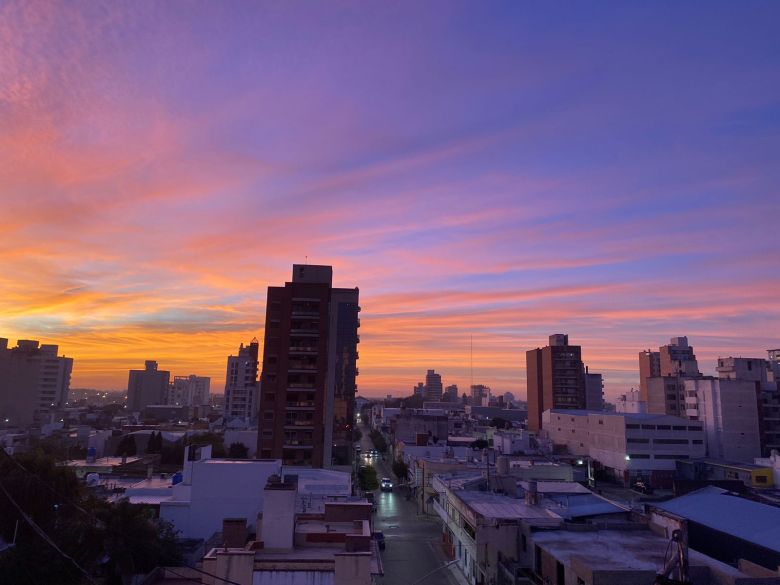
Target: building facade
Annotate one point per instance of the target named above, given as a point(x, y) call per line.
point(662, 376)
point(146, 387)
point(433, 386)
point(594, 390)
point(628, 446)
point(34, 380)
point(556, 378)
point(190, 391)
point(309, 372)
point(241, 384)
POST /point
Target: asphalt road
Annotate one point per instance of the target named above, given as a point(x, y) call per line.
point(413, 544)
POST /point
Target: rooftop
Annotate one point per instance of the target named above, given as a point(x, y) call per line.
point(490, 505)
point(617, 550)
point(720, 510)
point(556, 487)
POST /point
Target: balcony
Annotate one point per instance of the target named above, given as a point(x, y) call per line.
point(301, 388)
point(306, 314)
point(301, 405)
point(298, 424)
point(303, 349)
point(295, 444)
point(305, 332)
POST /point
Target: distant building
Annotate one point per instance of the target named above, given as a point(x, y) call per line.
point(556, 378)
point(433, 387)
point(307, 402)
point(419, 390)
point(594, 391)
point(450, 393)
point(34, 380)
point(630, 402)
point(662, 376)
point(628, 446)
point(241, 385)
point(480, 395)
point(147, 386)
point(190, 391)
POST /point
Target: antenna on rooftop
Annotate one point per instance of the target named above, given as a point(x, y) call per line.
point(471, 359)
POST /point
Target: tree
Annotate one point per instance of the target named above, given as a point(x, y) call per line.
point(356, 435)
point(380, 443)
point(105, 539)
point(500, 423)
point(400, 469)
point(216, 441)
point(126, 447)
point(238, 451)
point(155, 443)
point(367, 478)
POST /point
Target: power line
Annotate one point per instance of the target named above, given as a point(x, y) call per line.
point(40, 532)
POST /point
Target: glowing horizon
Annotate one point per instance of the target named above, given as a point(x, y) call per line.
point(497, 171)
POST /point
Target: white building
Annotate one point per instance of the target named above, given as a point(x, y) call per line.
point(214, 489)
point(631, 402)
point(241, 385)
point(628, 446)
point(729, 410)
point(511, 442)
point(190, 391)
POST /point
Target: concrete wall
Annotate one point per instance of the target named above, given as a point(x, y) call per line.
point(219, 489)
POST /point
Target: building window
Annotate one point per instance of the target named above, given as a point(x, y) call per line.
point(670, 441)
point(678, 428)
point(638, 456)
point(268, 415)
point(697, 442)
point(664, 427)
point(641, 441)
point(632, 426)
point(648, 427)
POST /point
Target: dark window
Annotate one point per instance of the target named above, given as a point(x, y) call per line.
point(670, 441)
point(632, 426)
point(641, 441)
point(678, 428)
point(664, 427)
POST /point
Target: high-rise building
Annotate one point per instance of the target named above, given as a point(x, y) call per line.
point(419, 390)
point(147, 386)
point(307, 400)
point(450, 393)
point(190, 391)
point(774, 365)
point(662, 376)
point(480, 395)
point(241, 385)
point(556, 378)
point(594, 390)
point(433, 387)
point(33, 381)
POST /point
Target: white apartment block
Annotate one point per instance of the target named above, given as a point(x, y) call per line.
point(628, 446)
point(190, 391)
point(728, 408)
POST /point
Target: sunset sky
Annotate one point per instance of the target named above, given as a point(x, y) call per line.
point(501, 170)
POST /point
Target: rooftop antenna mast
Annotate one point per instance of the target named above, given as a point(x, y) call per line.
point(471, 359)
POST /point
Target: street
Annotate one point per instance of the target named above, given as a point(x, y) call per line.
point(413, 544)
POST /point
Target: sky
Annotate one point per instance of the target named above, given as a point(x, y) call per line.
point(485, 172)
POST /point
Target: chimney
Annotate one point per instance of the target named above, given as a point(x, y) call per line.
point(278, 528)
point(234, 532)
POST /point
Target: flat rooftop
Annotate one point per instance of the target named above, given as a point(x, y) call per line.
point(618, 550)
point(490, 505)
point(556, 487)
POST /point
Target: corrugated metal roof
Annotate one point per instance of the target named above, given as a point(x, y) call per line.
point(718, 509)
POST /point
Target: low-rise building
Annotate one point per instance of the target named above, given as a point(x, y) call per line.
point(334, 547)
point(628, 446)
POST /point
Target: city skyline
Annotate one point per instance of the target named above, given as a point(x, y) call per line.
point(496, 172)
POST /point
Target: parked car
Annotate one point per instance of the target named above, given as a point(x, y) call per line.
point(380, 539)
point(386, 485)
